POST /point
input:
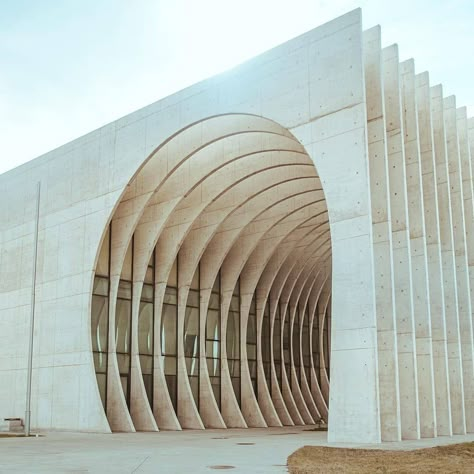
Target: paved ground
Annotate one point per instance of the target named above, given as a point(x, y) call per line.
point(170, 452)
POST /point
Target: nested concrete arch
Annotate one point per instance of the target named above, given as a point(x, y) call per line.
point(265, 285)
point(305, 252)
point(276, 295)
point(187, 212)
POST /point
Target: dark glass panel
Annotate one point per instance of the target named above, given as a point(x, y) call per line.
point(100, 362)
point(213, 367)
point(147, 293)
point(235, 304)
point(169, 365)
point(216, 388)
point(194, 382)
point(192, 365)
point(253, 368)
point(171, 382)
point(171, 296)
point(124, 382)
point(122, 330)
point(251, 352)
point(233, 335)
point(102, 383)
point(148, 382)
point(168, 329)
point(145, 328)
point(213, 349)
point(101, 286)
point(125, 290)
point(214, 301)
point(212, 324)
point(193, 299)
point(234, 368)
point(236, 386)
point(146, 362)
point(99, 322)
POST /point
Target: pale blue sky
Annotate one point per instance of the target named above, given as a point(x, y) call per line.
point(70, 66)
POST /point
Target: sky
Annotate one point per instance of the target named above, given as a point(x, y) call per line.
point(68, 67)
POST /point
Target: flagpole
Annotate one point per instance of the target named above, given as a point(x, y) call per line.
point(32, 316)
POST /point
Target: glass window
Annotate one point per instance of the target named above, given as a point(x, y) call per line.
point(171, 382)
point(99, 323)
point(192, 365)
point(212, 324)
point(101, 286)
point(145, 328)
point(102, 383)
point(213, 367)
point(168, 329)
point(122, 332)
point(171, 296)
point(169, 365)
point(194, 382)
point(213, 349)
point(233, 335)
point(147, 293)
point(100, 362)
point(125, 290)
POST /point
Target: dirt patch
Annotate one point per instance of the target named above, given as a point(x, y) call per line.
point(453, 459)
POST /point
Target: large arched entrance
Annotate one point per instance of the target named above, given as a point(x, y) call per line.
point(212, 293)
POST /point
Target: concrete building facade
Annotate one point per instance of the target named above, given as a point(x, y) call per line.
point(287, 242)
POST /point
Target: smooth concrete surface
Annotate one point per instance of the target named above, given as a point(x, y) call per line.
point(175, 453)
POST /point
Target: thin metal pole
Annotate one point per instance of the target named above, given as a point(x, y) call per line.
point(32, 316)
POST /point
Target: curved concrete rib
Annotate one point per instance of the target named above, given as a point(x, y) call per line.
point(316, 391)
point(324, 299)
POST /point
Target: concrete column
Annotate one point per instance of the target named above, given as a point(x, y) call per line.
point(460, 254)
point(470, 131)
point(419, 261)
point(433, 250)
point(406, 344)
point(467, 191)
point(447, 259)
point(382, 235)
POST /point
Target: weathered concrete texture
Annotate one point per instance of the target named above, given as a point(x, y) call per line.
point(307, 222)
